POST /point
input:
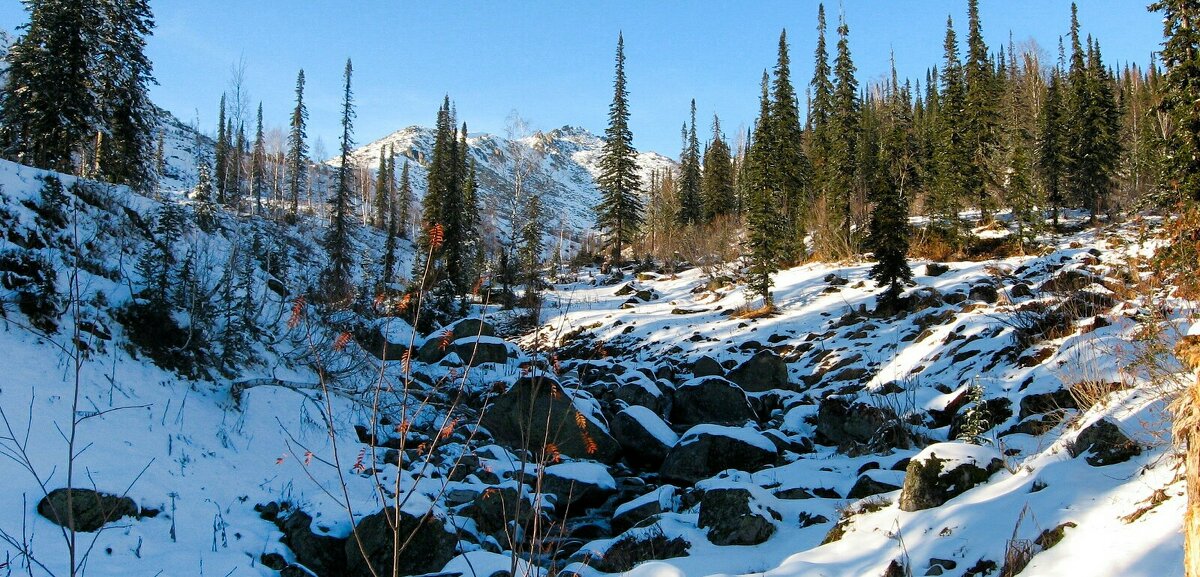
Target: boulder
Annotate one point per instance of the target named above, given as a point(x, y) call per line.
point(710, 400)
point(763, 372)
point(535, 411)
point(990, 414)
point(388, 338)
point(88, 511)
point(930, 480)
point(637, 389)
point(643, 436)
point(707, 366)
point(577, 486)
point(321, 554)
point(868, 485)
point(476, 350)
point(635, 547)
point(498, 506)
point(936, 269)
point(733, 517)
point(706, 450)
point(658, 501)
point(1041, 403)
point(984, 292)
point(369, 549)
point(1105, 444)
point(842, 423)
point(439, 343)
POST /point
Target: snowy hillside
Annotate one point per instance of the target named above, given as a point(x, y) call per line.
point(656, 426)
point(564, 163)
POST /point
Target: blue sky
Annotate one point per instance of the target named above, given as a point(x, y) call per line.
point(552, 61)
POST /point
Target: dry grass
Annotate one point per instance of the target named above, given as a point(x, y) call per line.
point(751, 312)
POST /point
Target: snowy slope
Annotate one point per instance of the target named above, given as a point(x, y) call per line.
point(916, 365)
point(205, 451)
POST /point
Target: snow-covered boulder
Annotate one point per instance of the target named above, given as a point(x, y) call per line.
point(643, 436)
point(706, 450)
point(764, 371)
point(734, 517)
point(710, 400)
point(536, 411)
point(946, 470)
point(578, 485)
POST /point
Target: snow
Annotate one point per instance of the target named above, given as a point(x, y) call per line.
point(188, 448)
point(744, 434)
point(653, 424)
point(590, 473)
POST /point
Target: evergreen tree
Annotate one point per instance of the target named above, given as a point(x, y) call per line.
point(1181, 90)
point(1051, 159)
point(980, 113)
point(765, 225)
point(206, 208)
point(619, 212)
point(122, 82)
point(222, 152)
point(843, 144)
point(258, 169)
point(888, 236)
point(787, 167)
point(953, 152)
point(691, 202)
point(297, 155)
point(717, 184)
point(530, 255)
point(336, 282)
point(820, 110)
point(48, 107)
point(404, 200)
point(380, 217)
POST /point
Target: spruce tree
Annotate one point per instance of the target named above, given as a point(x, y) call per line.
point(980, 113)
point(717, 184)
point(122, 84)
point(48, 107)
point(691, 202)
point(1181, 90)
point(258, 161)
point(787, 167)
point(222, 152)
point(530, 254)
point(820, 110)
point(297, 155)
point(336, 282)
point(843, 145)
point(619, 212)
point(888, 236)
point(379, 218)
point(953, 151)
point(1051, 160)
point(404, 200)
point(765, 225)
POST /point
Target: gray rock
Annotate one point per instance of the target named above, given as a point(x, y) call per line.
point(710, 400)
point(763, 372)
point(369, 549)
point(732, 518)
point(632, 430)
point(1106, 444)
point(707, 366)
point(927, 485)
point(536, 410)
point(89, 510)
point(706, 450)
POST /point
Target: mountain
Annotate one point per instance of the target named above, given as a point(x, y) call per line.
point(563, 165)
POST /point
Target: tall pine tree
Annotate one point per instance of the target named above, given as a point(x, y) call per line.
point(337, 283)
point(717, 185)
point(691, 203)
point(297, 150)
point(619, 212)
